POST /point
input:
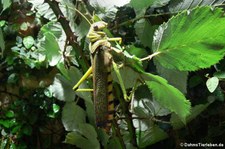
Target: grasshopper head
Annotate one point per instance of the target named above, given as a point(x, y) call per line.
point(98, 26)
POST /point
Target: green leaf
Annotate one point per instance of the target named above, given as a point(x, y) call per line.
point(53, 27)
point(72, 116)
point(212, 84)
point(62, 86)
point(85, 137)
point(176, 78)
point(137, 4)
point(2, 42)
point(24, 26)
point(6, 4)
point(168, 96)
point(179, 5)
point(151, 136)
point(28, 42)
point(190, 40)
point(7, 123)
point(13, 78)
point(51, 49)
point(144, 31)
point(143, 4)
point(195, 111)
point(219, 74)
point(9, 114)
point(55, 108)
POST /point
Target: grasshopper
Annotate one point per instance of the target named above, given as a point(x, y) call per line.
point(102, 63)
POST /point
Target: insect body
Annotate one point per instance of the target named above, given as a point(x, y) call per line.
point(101, 58)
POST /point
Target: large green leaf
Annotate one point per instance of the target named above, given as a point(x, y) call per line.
point(179, 5)
point(143, 4)
point(6, 4)
point(51, 49)
point(151, 136)
point(85, 137)
point(176, 78)
point(190, 40)
point(168, 96)
point(72, 116)
point(62, 86)
point(144, 31)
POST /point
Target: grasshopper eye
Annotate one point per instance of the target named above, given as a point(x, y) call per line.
point(96, 28)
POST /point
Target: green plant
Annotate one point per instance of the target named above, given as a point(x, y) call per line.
point(167, 46)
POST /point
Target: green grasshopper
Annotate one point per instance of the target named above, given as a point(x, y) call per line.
point(102, 63)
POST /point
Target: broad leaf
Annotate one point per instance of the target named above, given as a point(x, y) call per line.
point(53, 27)
point(6, 4)
point(62, 86)
point(28, 42)
point(219, 74)
point(51, 49)
point(85, 137)
point(72, 116)
point(195, 111)
point(144, 31)
point(212, 84)
point(143, 4)
point(108, 4)
point(179, 5)
point(151, 136)
point(176, 78)
point(168, 96)
point(191, 41)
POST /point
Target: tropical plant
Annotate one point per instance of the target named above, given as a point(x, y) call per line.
point(172, 65)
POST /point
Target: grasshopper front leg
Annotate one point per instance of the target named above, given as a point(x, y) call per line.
point(84, 77)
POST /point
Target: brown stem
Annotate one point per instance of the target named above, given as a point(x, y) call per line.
point(72, 38)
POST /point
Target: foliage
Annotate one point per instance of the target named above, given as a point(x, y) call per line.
point(171, 61)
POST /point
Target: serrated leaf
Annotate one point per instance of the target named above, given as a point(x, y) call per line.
point(168, 96)
point(51, 49)
point(191, 41)
point(212, 84)
point(151, 136)
point(28, 42)
point(72, 116)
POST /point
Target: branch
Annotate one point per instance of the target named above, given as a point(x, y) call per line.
point(128, 118)
point(72, 38)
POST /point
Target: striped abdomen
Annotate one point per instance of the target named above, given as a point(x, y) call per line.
point(102, 78)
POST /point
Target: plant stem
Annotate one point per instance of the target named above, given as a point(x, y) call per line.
point(72, 38)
